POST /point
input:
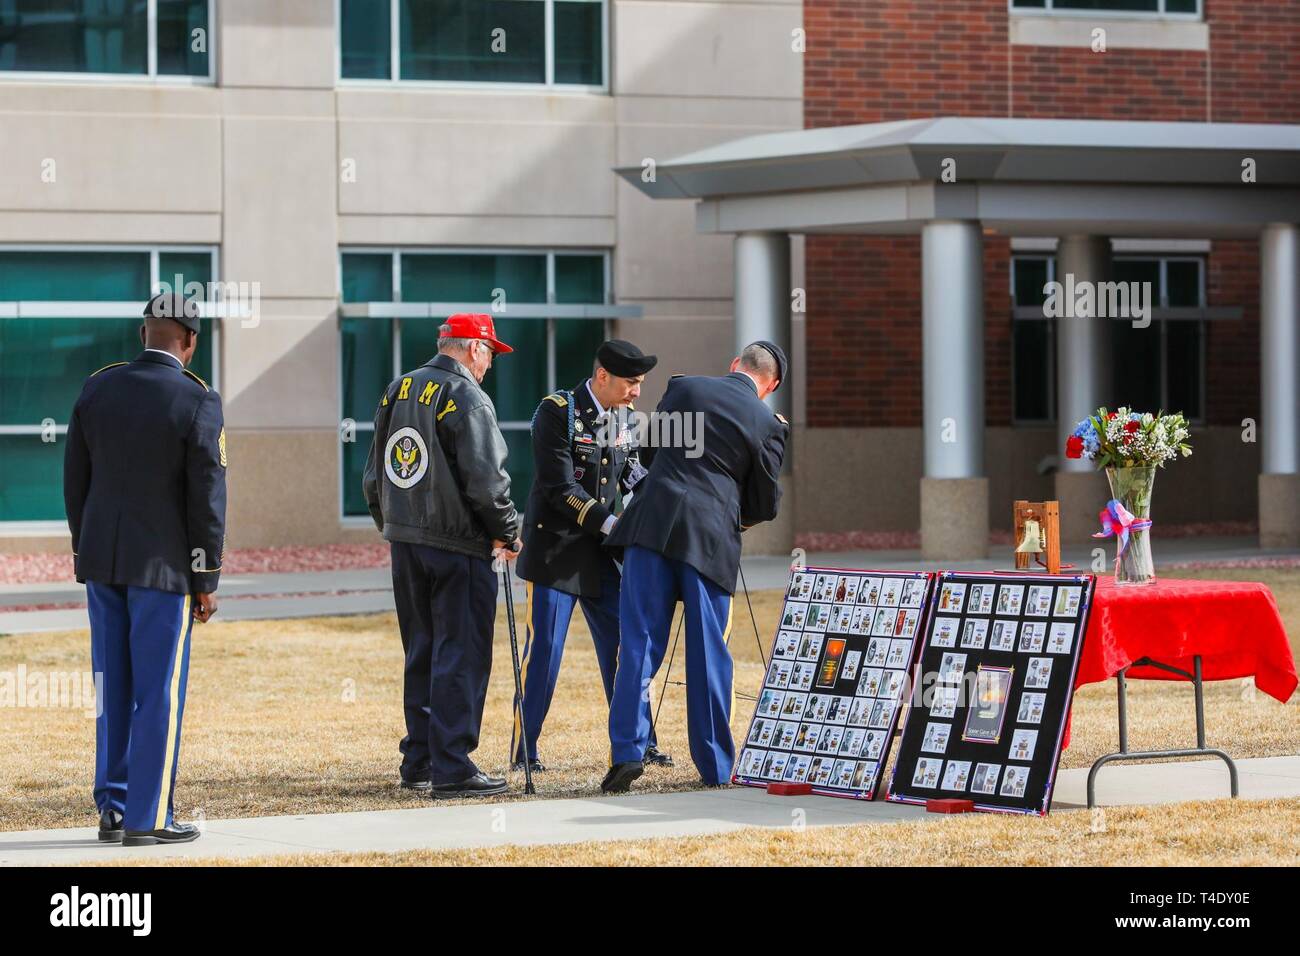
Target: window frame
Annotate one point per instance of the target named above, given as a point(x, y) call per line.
point(395, 81)
point(151, 74)
point(368, 426)
point(106, 308)
point(1162, 323)
point(1051, 10)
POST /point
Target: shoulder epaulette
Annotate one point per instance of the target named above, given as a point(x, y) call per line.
point(678, 375)
point(110, 365)
point(781, 418)
point(197, 379)
point(558, 398)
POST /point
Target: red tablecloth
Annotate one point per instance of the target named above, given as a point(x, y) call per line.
point(1233, 625)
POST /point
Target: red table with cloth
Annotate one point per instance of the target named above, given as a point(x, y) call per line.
point(1233, 625)
point(1208, 630)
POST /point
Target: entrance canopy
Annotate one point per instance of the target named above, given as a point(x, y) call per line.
point(1024, 177)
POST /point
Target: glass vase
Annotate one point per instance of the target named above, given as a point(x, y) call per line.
point(1132, 487)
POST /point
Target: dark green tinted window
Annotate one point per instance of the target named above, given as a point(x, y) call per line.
point(474, 278)
point(367, 277)
point(578, 33)
point(1183, 282)
point(579, 279)
point(1183, 351)
point(1030, 275)
point(500, 41)
point(45, 362)
point(183, 37)
point(1032, 362)
point(365, 39)
point(576, 341)
point(104, 36)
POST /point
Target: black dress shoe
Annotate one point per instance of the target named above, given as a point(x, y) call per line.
point(479, 785)
point(620, 776)
point(657, 758)
point(419, 783)
point(110, 827)
point(535, 765)
point(176, 833)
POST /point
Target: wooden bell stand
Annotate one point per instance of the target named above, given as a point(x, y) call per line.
point(1047, 515)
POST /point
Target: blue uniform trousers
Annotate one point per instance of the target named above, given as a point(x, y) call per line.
point(446, 608)
point(652, 586)
point(140, 649)
point(545, 628)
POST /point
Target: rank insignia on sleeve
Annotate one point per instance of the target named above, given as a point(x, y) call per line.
point(221, 447)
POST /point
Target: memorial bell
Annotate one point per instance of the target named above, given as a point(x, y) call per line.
point(1036, 529)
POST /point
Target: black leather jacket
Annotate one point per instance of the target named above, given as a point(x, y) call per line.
point(436, 472)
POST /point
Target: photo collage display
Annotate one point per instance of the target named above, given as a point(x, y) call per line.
point(997, 676)
point(836, 680)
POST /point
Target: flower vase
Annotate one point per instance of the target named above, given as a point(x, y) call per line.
point(1132, 487)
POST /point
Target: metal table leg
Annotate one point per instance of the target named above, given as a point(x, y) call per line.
point(1200, 750)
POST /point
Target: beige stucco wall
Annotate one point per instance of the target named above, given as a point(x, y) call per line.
point(255, 164)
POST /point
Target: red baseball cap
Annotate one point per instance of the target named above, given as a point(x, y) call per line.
point(474, 325)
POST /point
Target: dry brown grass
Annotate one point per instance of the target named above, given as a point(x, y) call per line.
point(1209, 833)
point(293, 717)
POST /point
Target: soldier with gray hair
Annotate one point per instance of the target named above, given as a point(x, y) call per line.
point(437, 488)
point(681, 535)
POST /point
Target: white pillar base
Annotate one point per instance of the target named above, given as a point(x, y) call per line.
point(954, 519)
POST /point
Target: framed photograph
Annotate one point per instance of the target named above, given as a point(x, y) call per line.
point(807, 737)
point(824, 589)
point(952, 669)
point(882, 714)
point(979, 600)
point(787, 644)
point(945, 632)
point(847, 592)
point(891, 592)
point(894, 682)
point(873, 744)
point(869, 593)
point(1068, 600)
point(851, 743)
point(1039, 673)
point(883, 625)
point(785, 734)
point(974, 632)
point(927, 772)
point(818, 705)
point(952, 597)
point(792, 708)
point(801, 585)
point(1032, 636)
point(801, 677)
point(850, 669)
point(1031, 708)
point(1003, 635)
point(1010, 599)
point(810, 647)
point(841, 618)
point(1014, 781)
point(1060, 638)
point(830, 669)
point(935, 740)
point(819, 616)
point(778, 673)
point(877, 652)
point(944, 701)
point(864, 776)
point(869, 682)
point(985, 779)
point(837, 709)
point(1039, 602)
point(987, 712)
point(956, 773)
point(900, 653)
point(859, 711)
point(751, 761)
point(842, 774)
point(794, 617)
point(913, 592)
point(1022, 745)
point(796, 770)
point(769, 703)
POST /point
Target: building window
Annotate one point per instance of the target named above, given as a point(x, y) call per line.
point(529, 42)
point(548, 306)
point(1154, 7)
point(63, 314)
point(1158, 367)
point(107, 38)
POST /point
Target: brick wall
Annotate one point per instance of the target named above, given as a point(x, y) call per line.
point(876, 60)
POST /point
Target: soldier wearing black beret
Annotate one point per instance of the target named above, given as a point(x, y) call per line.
point(585, 462)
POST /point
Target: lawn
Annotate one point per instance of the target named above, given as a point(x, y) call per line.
point(292, 717)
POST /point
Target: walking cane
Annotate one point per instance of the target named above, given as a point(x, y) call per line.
point(504, 565)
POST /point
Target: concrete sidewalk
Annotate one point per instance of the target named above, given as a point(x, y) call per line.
point(633, 817)
point(246, 597)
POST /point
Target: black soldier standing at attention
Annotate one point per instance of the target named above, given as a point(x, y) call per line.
point(144, 487)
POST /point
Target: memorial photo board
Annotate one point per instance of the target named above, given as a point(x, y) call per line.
point(835, 680)
point(993, 685)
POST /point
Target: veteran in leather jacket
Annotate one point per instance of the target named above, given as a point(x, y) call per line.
point(437, 487)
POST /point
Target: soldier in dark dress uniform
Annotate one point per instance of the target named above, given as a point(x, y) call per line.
point(585, 460)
